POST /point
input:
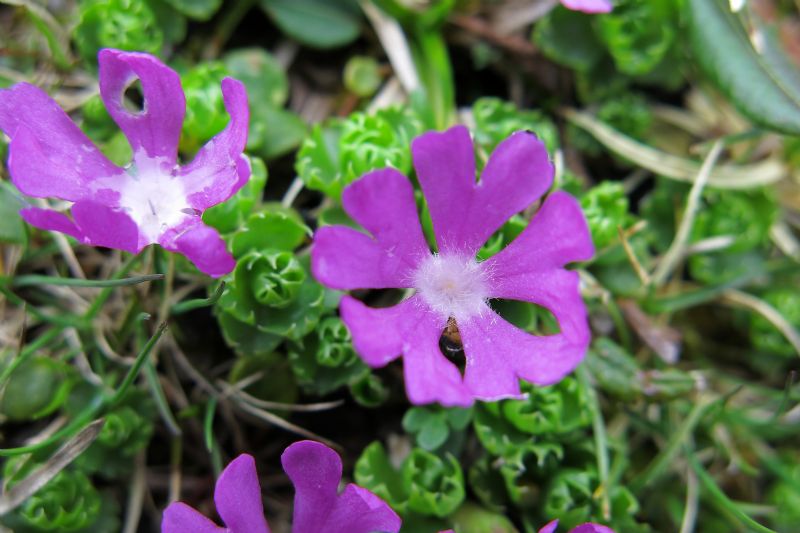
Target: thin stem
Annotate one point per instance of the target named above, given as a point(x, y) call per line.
point(677, 248)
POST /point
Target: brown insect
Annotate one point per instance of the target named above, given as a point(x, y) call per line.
point(452, 336)
point(451, 345)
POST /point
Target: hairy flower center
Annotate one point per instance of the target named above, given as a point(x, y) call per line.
point(452, 285)
point(154, 200)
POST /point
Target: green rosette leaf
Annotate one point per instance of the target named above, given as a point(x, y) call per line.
point(121, 24)
point(606, 209)
point(36, 388)
point(274, 226)
point(68, 502)
point(763, 333)
point(205, 108)
point(496, 119)
point(435, 485)
point(271, 294)
point(552, 410)
point(326, 360)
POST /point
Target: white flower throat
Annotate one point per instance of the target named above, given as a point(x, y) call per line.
point(452, 285)
point(153, 198)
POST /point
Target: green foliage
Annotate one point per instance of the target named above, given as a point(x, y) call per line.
point(68, 502)
point(496, 119)
point(12, 228)
point(362, 75)
point(269, 295)
point(273, 129)
point(339, 152)
point(326, 360)
point(432, 426)
point(36, 388)
point(639, 33)
point(317, 23)
point(763, 333)
point(761, 82)
point(205, 108)
point(568, 37)
point(122, 24)
point(273, 226)
point(261, 73)
point(570, 495)
point(606, 209)
point(196, 9)
point(425, 483)
point(276, 384)
point(552, 410)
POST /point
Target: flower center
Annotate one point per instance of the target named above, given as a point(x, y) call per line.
point(154, 199)
point(452, 286)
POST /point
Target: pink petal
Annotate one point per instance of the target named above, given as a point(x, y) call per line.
point(50, 220)
point(315, 471)
point(238, 497)
point(359, 511)
point(550, 527)
point(219, 169)
point(49, 156)
point(466, 213)
point(589, 6)
point(539, 359)
point(376, 337)
point(410, 329)
point(156, 129)
point(557, 235)
point(591, 528)
point(383, 203)
point(180, 518)
point(202, 245)
point(104, 226)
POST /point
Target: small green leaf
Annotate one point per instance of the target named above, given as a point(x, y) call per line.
point(12, 228)
point(196, 9)
point(318, 23)
point(758, 84)
point(261, 73)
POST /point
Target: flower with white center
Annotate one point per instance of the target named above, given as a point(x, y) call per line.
point(452, 284)
point(152, 200)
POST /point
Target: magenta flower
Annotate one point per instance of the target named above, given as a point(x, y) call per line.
point(588, 6)
point(315, 471)
point(451, 283)
point(588, 527)
point(152, 200)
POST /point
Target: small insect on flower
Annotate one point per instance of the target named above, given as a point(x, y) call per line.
point(315, 471)
point(151, 200)
point(448, 318)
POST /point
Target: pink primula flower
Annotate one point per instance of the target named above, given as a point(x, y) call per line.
point(315, 471)
point(152, 200)
point(451, 283)
point(589, 6)
point(588, 527)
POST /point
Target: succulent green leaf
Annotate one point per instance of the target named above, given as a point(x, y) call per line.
point(261, 73)
point(205, 108)
point(121, 24)
point(196, 9)
point(435, 485)
point(274, 226)
point(638, 34)
point(374, 471)
point(317, 23)
point(761, 84)
point(36, 388)
point(567, 37)
point(362, 75)
point(496, 119)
